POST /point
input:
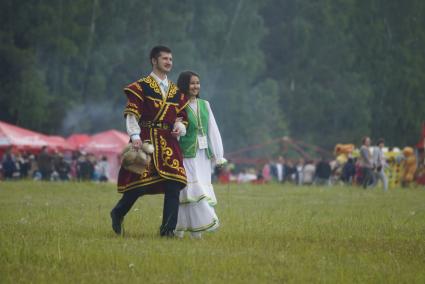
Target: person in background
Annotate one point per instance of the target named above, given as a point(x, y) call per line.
point(349, 172)
point(308, 173)
point(24, 165)
point(45, 164)
point(323, 172)
point(366, 163)
point(380, 164)
point(33, 171)
point(291, 173)
point(63, 169)
point(278, 169)
point(74, 175)
point(102, 168)
point(300, 166)
point(266, 172)
point(85, 168)
point(8, 164)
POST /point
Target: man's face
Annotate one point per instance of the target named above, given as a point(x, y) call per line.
point(164, 63)
point(367, 141)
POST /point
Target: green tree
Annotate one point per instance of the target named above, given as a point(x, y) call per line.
point(312, 56)
point(390, 36)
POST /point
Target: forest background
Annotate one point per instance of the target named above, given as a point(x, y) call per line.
point(323, 72)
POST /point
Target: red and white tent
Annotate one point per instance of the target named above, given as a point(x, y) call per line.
point(78, 140)
point(20, 138)
point(59, 143)
point(27, 140)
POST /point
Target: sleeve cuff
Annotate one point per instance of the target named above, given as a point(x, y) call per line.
point(220, 161)
point(132, 111)
point(135, 137)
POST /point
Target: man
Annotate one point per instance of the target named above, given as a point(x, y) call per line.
point(323, 172)
point(366, 163)
point(308, 173)
point(153, 106)
point(45, 163)
point(9, 163)
point(278, 169)
point(379, 161)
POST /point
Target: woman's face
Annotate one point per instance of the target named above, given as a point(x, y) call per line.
point(194, 86)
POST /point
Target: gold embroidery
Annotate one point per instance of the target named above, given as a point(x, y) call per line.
point(172, 91)
point(167, 153)
point(131, 111)
point(140, 183)
point(134, 93)
point(153, 133)
point(153, 84)
point(184, 105)
point(161, 118)
point(145, 173)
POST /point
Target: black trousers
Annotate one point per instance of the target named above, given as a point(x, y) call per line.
point(170, 209)
point(367, 176)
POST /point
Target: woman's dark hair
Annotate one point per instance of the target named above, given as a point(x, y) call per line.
point(183, 81)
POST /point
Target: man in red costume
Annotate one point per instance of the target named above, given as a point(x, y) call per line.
point(153, 107)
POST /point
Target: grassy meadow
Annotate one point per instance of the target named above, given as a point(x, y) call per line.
point(61, 233)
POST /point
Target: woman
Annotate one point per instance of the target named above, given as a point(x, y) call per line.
point(202, 149)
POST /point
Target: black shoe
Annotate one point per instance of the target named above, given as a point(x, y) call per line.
point(116, 223)
point(166, 233)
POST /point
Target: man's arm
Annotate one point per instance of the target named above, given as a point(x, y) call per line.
point(133, 130)
point(133, 112)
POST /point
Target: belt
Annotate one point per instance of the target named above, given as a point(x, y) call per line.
point(156, 124)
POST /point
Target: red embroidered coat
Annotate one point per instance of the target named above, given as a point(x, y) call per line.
point(156, 115)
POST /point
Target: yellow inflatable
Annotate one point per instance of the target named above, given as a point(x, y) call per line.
point(409, 166)
point(394, 169)
point(342, 151)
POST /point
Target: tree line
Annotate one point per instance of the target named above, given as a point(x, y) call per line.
point(324, 72)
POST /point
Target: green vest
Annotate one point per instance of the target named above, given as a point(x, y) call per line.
point(198, 125)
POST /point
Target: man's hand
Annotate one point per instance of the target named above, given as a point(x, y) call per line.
point(137, 144)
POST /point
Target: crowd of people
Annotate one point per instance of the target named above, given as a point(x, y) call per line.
point(81, 166)
point(53, 166)
point(281, 170)
point(368, 167)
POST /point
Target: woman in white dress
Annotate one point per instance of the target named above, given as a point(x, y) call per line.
point(202, 149)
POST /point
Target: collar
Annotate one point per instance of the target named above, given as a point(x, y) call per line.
point(159, 81)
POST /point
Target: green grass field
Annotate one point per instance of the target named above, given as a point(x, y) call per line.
point(61, 233)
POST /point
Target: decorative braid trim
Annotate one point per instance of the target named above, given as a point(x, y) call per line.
point(200, 229)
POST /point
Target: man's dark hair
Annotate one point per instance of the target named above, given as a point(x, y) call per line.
point(380, 140)
point(183, 81)
point(156, 51)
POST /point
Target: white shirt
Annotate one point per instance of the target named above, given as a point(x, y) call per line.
point(279, 169)
point(163, 84)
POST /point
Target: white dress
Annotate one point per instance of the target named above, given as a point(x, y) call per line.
point(197, 199)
